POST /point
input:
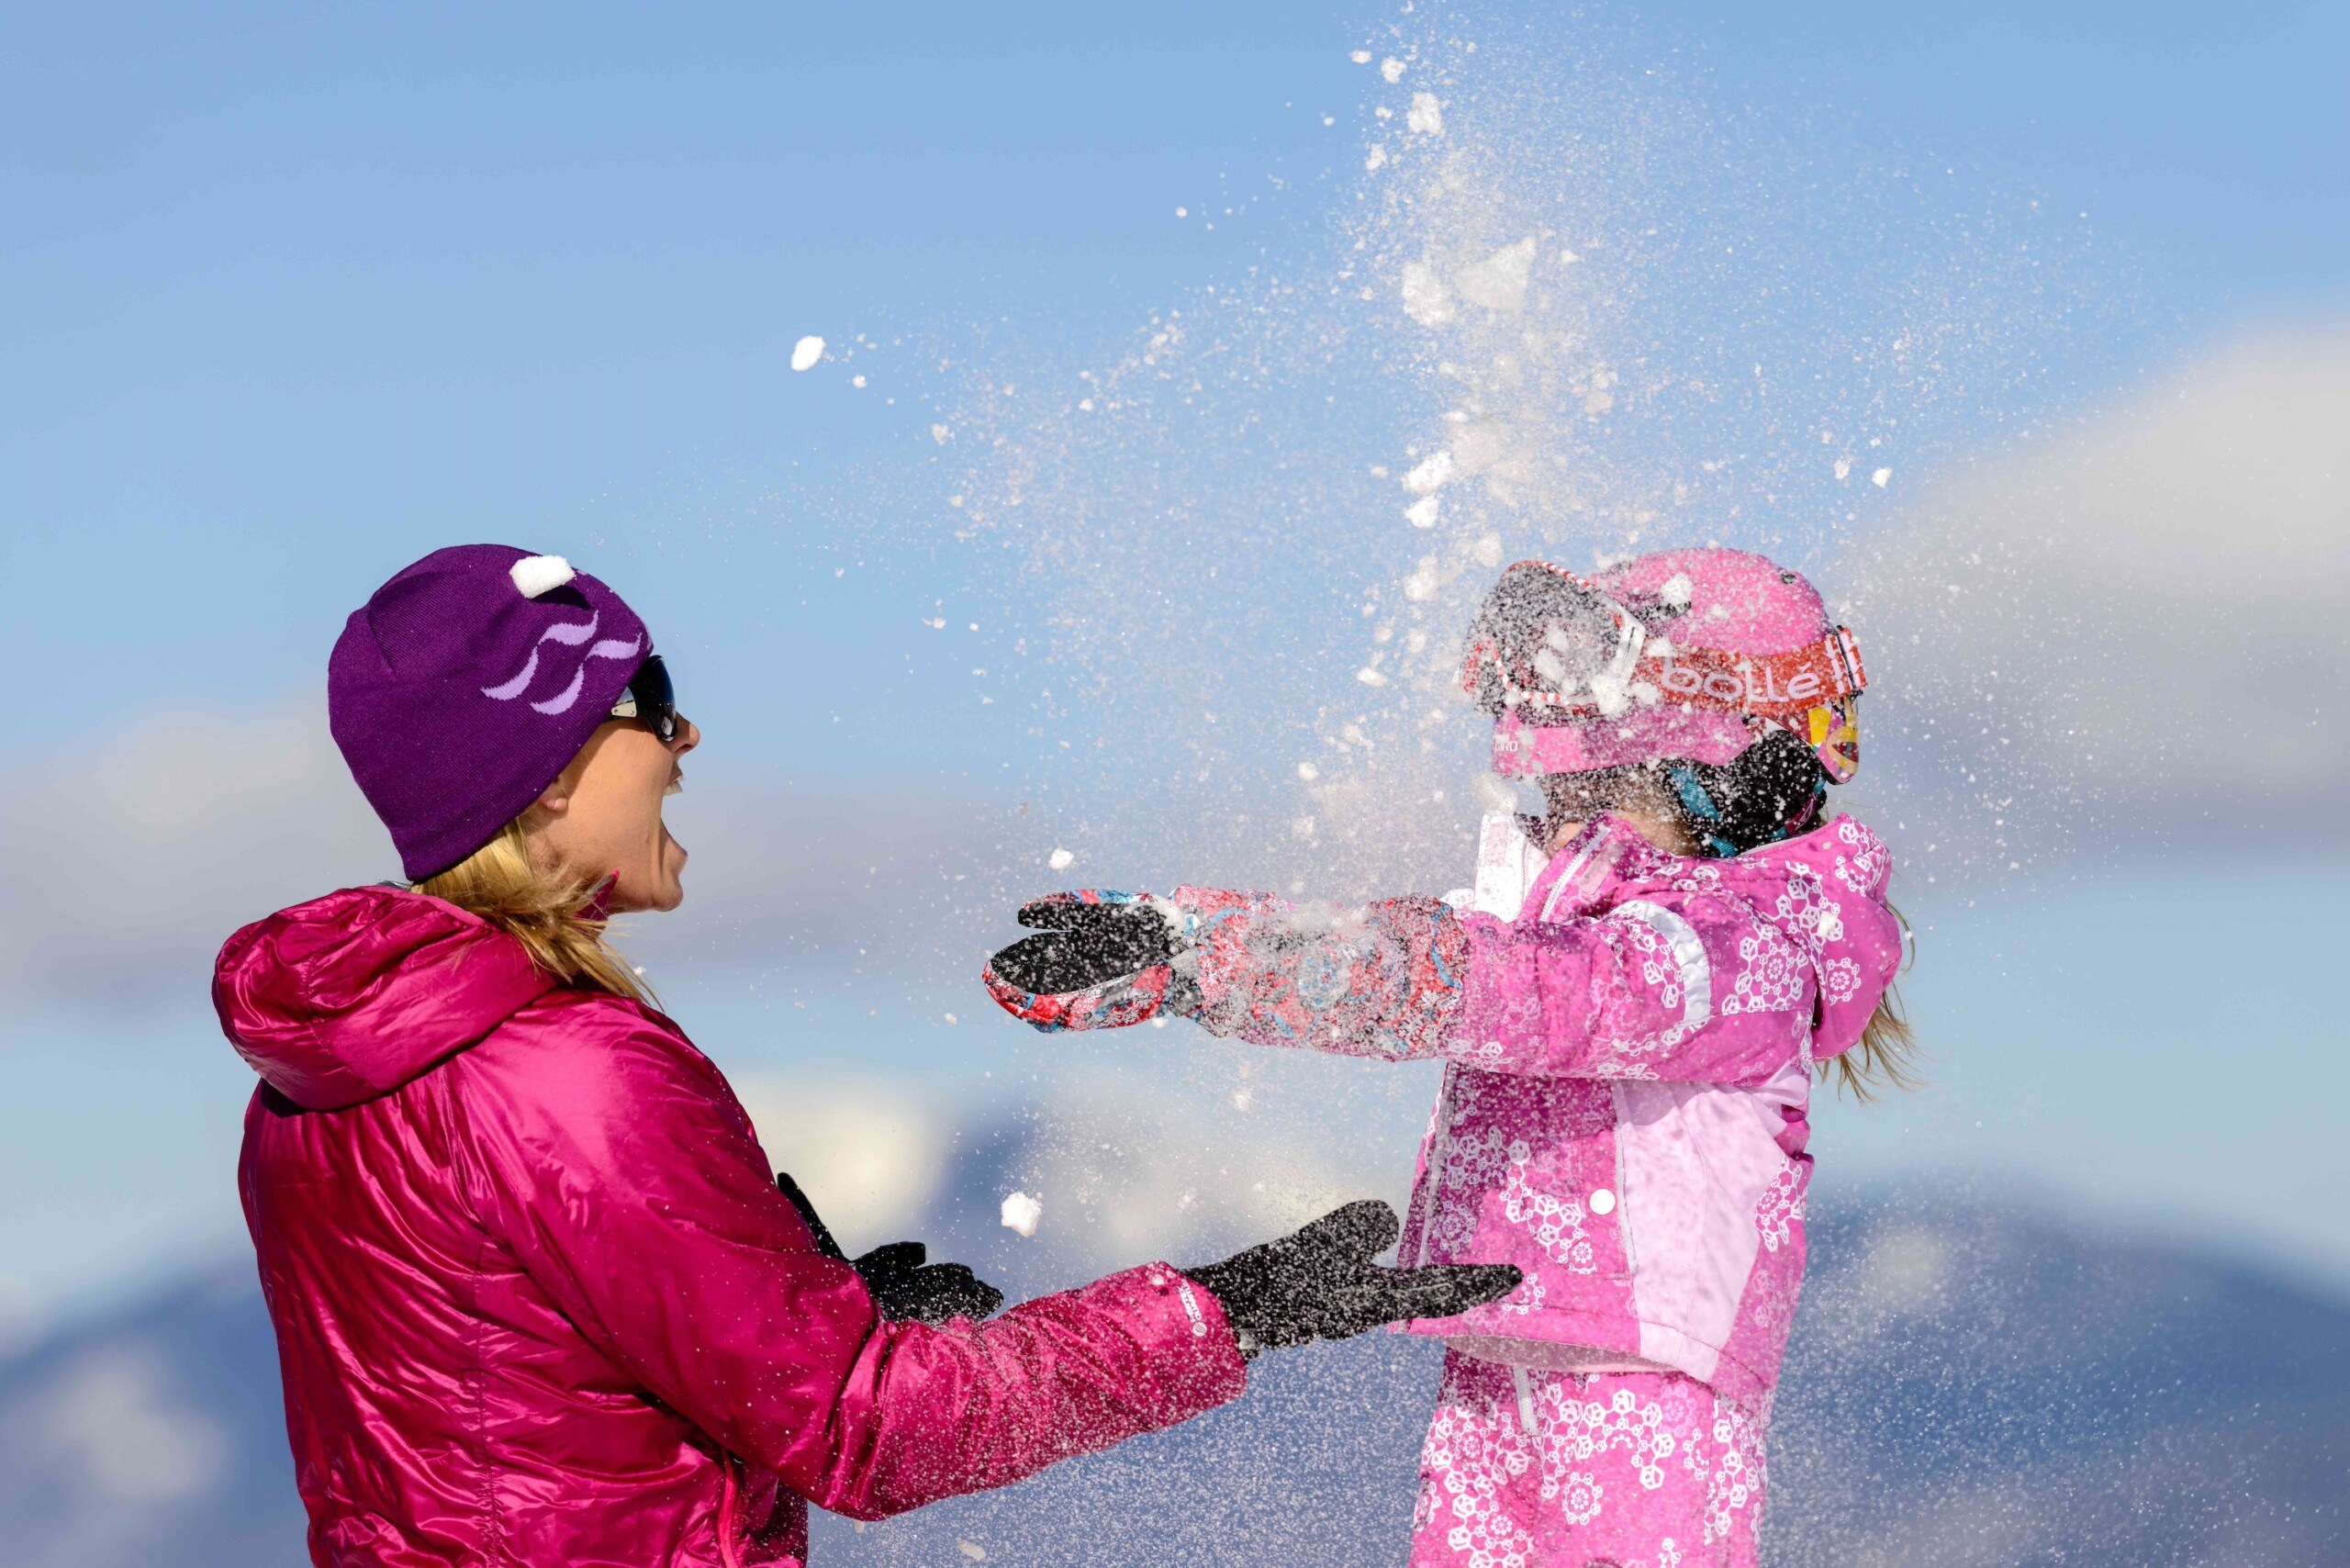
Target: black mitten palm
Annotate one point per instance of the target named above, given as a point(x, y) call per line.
point(1320, 1283)
point(905, 1287)
point(1083, 944)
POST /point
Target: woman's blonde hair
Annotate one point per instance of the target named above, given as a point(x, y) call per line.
point(553, 919)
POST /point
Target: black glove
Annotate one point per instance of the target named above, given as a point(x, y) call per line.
point(1320, 1283)
point(905, 1287)
point(1084, 944)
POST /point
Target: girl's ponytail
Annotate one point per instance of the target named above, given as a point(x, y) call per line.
point(557, 925)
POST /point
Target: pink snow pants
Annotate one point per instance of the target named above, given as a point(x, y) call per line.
point(1530, 1469)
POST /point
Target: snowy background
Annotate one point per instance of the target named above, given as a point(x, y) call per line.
point(1186, 372)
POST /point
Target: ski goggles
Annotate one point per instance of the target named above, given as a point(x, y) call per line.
point(1550, 648)
point(651, 699)
point(1548, 654)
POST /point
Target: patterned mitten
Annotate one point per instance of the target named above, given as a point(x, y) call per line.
point(1101, 960)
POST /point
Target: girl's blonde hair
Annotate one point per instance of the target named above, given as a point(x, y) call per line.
point(1887, 1056)
point(550, 917)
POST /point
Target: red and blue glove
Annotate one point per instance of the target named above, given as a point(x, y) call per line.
point(1101, 960)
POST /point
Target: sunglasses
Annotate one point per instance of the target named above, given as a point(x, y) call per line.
point(652, 699)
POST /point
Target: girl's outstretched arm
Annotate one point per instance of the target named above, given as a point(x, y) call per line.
point(1689, 986)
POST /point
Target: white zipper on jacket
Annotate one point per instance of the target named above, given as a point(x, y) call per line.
point(1623, 1194)
point(1432, 1175)
point(1525, 1398)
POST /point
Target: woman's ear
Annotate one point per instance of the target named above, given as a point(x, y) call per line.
point(554, 801)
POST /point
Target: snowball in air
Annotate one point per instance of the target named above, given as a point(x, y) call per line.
point(807, 352)
point(1422, 512)
point(535, 574)
point(1431, 475)
point(1020, 1213)
point(1881, 478)
point(1428, 116)
point(1061, 860)
point(1391, 68)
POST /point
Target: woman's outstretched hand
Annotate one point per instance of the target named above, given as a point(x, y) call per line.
point(905, 1287)
point(1320, 1283)
point(1101, 960)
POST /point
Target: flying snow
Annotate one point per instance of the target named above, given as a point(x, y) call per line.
point(1022, 1212)
point(807, 352)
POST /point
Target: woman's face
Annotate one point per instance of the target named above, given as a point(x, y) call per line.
point(602, 817)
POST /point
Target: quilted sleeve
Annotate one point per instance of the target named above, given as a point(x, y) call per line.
point(1688, 986)
point(617, 1165)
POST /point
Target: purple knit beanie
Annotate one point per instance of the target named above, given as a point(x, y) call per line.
point(466, 684)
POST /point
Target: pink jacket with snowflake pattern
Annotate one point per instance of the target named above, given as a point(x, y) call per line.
point(1628, 1037)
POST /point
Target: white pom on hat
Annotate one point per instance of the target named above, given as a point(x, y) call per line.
point(535, 574)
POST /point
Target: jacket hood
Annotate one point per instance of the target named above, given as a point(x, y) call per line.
point(1834, 891)
point(347, 997)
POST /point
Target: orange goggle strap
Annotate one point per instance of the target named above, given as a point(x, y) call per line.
point(1776, 686)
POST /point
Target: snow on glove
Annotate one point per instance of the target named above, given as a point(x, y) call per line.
point(1102, 960)
point(908, 1289)
point(1320, 1283)
point(905, 1288)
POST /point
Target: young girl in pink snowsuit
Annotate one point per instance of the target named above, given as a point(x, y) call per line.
point(1631, 1001)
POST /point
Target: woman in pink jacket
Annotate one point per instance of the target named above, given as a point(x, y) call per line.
point(539, 1297)
point(1631, 999)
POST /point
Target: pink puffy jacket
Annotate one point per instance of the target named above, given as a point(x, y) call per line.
point(1628, 1037)
point(538, 1300)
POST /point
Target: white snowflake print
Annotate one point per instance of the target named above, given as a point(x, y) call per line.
point(1654, 958)
point(1770, 973)
point(1577, 1494)
point(1780, 1206)
point(1640, 950)
point(1732, 1465)
point(1866, 868)
point(1840, 978)
point(1555, 1224)
point(1474, 1163)
point(1804, 912)
point(1463, 1465)
point(1577, 1430)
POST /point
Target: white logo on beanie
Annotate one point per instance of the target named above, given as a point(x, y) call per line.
point(535, 574)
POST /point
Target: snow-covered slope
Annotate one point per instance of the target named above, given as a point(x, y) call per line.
point(1975, 1383)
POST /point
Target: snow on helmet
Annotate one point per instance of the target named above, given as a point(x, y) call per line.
point(1719, 663)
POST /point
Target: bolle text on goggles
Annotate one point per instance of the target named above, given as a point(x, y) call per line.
point(650, 698)
point(1548, 647)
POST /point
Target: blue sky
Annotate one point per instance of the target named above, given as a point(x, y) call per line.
point(304, 291)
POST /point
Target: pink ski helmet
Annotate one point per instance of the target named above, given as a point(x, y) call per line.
point(1688, 656)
